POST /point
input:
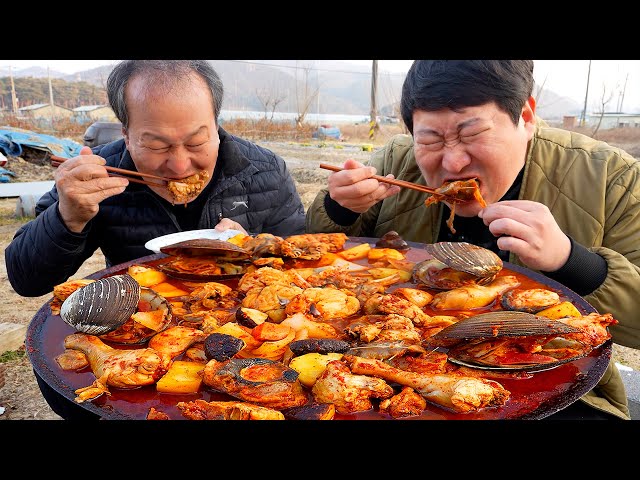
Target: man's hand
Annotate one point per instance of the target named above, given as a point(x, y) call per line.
point(529, 230)
point(353, 187)
point(227, 224)
point(82, 183)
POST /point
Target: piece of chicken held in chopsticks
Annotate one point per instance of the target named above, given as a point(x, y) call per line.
point(458, 191)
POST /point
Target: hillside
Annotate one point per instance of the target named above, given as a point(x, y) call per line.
point(342, 88)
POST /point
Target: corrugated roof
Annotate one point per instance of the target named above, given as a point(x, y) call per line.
point(35, 106)
point(88, 108)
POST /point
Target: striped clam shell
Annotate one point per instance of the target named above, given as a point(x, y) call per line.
point(102, 306)
point(503, 324)
point(466, 257)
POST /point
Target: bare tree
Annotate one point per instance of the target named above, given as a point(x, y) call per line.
point(305, 94)
point(540, 91)
point(604, 99)
point(270, 99)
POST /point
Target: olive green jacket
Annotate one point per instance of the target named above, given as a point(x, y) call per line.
point(593, 192)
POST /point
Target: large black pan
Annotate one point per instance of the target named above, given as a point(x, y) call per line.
point(46, 332)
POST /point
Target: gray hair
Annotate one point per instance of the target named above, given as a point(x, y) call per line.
point(165, 72)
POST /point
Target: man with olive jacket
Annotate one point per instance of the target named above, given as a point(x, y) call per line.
point(559, 202)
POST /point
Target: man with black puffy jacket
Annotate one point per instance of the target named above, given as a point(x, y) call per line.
point(169, 113)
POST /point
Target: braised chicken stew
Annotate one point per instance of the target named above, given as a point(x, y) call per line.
point(339, 328)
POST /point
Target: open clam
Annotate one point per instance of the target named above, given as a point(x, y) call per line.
point(117, 309)
point(508, 341)
point(456, 264)
point(101, 306)
point(205, 259)
point(153, 315)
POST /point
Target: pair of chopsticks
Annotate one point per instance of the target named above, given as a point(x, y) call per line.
point(391, 181)
point(56, 161)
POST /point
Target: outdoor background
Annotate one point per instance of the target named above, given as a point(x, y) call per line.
point(309, 94)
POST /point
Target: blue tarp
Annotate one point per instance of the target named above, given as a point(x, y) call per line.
point(326, 131)
point(13, 139)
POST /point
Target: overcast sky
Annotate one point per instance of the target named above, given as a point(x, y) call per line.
point(565, 77)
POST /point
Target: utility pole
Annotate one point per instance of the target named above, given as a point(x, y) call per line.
point(50, 97)
point(622, 96)
point(373, 123)
point(14, 99)
point(586, 95)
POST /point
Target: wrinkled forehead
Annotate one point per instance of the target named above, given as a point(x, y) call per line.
point(146, 87)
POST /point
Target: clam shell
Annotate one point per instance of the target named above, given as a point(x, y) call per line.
point(127, 335)
point(207, 246)
point(466, 257)
point(502, 324)
point(101, 306)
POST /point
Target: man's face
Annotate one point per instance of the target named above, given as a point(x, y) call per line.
point(171, 133)
point(480, 142)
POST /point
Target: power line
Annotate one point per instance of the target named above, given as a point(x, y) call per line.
point(296, 67)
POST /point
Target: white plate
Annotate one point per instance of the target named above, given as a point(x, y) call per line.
point(155, 244)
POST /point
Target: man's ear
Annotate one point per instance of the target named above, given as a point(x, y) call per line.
point(529, 110)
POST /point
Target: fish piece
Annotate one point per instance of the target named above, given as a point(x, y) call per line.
point(121, 368)
point(473, 296)
point(454, 392)
point(257, 380)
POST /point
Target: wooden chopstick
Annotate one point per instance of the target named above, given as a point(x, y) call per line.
point(392, 181)
point(120, 172)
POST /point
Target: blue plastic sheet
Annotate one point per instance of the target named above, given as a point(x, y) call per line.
point(12, 140)
point(6, 175)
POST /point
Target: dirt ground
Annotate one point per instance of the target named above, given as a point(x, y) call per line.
point(19, 393)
